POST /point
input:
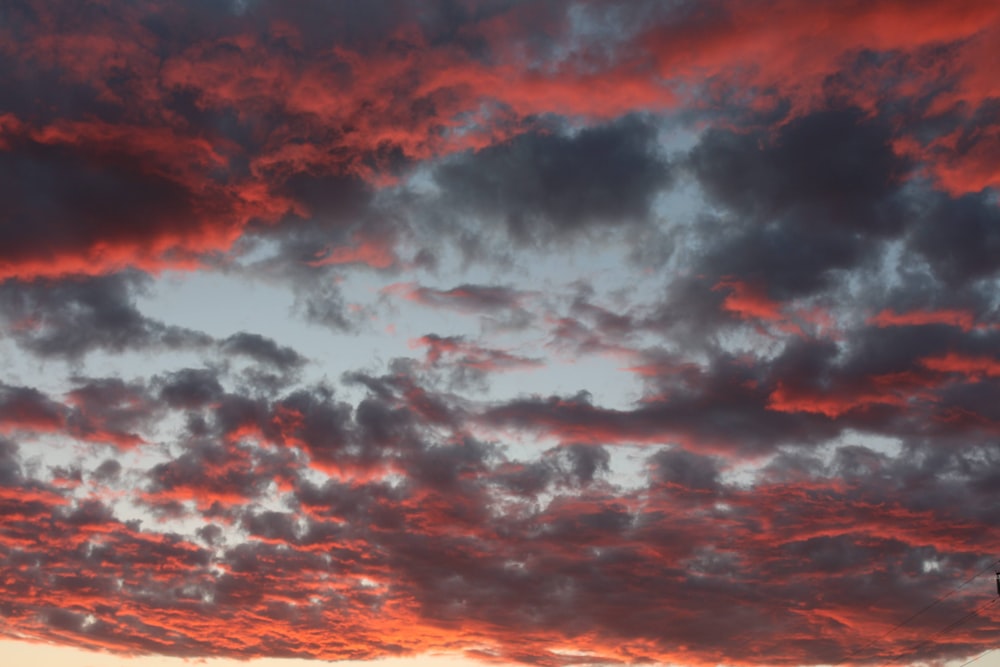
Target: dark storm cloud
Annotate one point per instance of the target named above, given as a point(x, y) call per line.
point(329, 209)
point(10, 463)
point(959, 237)
point(831, 168)
point(928, 381)
point(815, 196)
point(685, 470)
point(108, 471)
point(74, 199)
point(71, 318)
point(545, 184)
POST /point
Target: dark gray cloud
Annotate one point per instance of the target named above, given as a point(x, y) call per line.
point(71, 200)
point(467, 297)
point(10, 463)
point(108, 471)
point(815, 196)
point(190, 388)
point(687, 470)
point(959, 237)
point(547, 184)
point(585, 462)
point(210, 472)
point(110, 410)
point(262, 350)
point(834, 168)
point(725, 408)
point(70, 318)
point(29, 409)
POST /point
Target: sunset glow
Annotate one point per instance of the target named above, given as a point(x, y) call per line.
point(499, 332)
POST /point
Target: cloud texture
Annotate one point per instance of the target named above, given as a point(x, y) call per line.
point(650, 332)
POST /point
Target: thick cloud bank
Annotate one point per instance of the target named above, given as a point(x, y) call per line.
point(606, 332)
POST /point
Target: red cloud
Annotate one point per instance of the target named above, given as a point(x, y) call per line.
point(832, 405)
point(786, 51)
point(901, 389)
point(973, 367)
point(749, 303)
point(792, 48)
point(963, 319)
point(103, 179)
point(431, 565)
point(375, 252)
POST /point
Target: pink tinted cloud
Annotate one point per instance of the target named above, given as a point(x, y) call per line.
point(375, 252)
point(750, 303)
point(973, 367)
point(346, 108)
point(446, 350)
point(963, 319)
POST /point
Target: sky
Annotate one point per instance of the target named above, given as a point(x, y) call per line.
point(453, 333)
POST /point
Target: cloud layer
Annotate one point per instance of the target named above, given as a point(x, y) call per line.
point(653, 332)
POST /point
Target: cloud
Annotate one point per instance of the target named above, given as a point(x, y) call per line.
point(263, 350)
point(203, 134)
point(190, 388)
point(71, 318)
point(76, 192)
point(958, 237)
point(110, 410)
point(463, 298)
point(463, 528)
point(466, 362)
point(794, 218)
point(777, 220)
point(29, 409)
point(957, 318)
point(546, 184)
point(213, 474)
point(781, 177)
